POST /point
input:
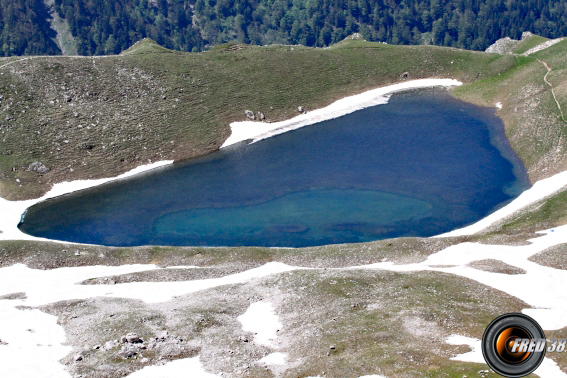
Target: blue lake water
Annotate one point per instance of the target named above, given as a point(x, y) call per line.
point(423, 164)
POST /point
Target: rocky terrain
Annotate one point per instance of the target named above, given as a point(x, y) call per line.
point(329, 311)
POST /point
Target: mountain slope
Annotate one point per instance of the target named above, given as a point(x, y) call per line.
point(98, 117)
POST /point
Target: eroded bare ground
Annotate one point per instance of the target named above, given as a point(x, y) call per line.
point(378, 322)
point(554, 257)
point(496, 266)
point(47, 255)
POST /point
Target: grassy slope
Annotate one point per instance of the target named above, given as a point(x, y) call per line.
point(126, 110)
point(535, 130)
point(531, 117)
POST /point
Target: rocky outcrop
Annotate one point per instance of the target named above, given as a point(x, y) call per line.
point(503, 46)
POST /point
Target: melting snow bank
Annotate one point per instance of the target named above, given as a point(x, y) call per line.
point(541, 189)
point(548, 367)
point(261, 319)
point(12, 210)
point(545, 292)
point(259, 130)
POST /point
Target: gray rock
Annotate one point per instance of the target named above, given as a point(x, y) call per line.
point(250, 114)
point(300, 109)
point(405, 75)
point(261, 116)
point(67, 98)
point(37, 167)
point(133, 338)
point(77, 358)
point(243, 338)
point(2, 342)
point(86, 146)
point(128, 351)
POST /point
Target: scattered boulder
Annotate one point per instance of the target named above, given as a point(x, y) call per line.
point(261, 116)
point(405, 75)
point(67, 98)
point(78, 358)
point(131, 338)
point(37, 167)
point(128, 351)
point(2, 342)
point(86, 146)
point(243, 339)
point(300, 109)
point(250, 114)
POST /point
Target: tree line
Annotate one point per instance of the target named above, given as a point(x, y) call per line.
point(109, 27)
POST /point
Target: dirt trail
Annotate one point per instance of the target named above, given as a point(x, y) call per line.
point(551, 86)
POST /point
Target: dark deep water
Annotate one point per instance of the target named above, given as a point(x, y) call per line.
point(423, 164)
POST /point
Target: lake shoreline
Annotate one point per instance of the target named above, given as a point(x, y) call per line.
point(256, 131)
point(243, 131)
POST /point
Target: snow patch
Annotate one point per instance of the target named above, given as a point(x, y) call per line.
point(48, 286)
point(548, 367)
point(475, 355)
point(261, 319)
point(187, 367)
point(34, 343)
point(260, 130)
point(276, 358)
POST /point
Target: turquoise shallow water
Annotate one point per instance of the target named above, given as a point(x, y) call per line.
point(423, 164)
